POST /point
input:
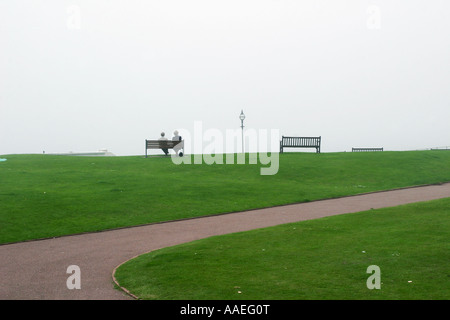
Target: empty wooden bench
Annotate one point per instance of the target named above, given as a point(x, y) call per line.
point(161, 144)
point(300, 142)
point(366, 149)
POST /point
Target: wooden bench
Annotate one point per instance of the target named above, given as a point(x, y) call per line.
point(161, 144)
point(300, 142)
point(366, 149)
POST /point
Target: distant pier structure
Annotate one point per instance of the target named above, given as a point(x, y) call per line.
point(99, 153)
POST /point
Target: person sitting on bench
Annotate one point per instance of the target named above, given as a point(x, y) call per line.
point(179, 146)
point(165, 150)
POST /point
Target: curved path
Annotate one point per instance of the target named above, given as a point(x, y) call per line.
point(38, 269)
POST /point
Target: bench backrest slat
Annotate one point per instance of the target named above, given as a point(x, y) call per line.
point(161, 144)
point(366, 149)
point(300, 141)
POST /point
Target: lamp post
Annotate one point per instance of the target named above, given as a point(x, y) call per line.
point(242, 117)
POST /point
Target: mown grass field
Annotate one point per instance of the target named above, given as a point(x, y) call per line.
point(47, 196)
point(323, 259)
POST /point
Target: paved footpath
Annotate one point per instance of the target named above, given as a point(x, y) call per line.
point(38, 269)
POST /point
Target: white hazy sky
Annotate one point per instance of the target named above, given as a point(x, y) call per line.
point(88, 75)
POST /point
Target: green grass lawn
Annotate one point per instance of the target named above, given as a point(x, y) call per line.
point(47, 196)
point(317, 259)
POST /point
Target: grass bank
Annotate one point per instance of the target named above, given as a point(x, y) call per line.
point(317, 259)
point(48, 196)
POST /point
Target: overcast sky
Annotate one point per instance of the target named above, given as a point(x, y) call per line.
point(88, 75)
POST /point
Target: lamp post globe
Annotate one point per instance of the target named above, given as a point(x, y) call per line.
point(242, 115)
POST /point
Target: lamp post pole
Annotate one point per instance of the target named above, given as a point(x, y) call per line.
point(242, 117)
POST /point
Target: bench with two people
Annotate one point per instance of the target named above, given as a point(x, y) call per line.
point(177, 144)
